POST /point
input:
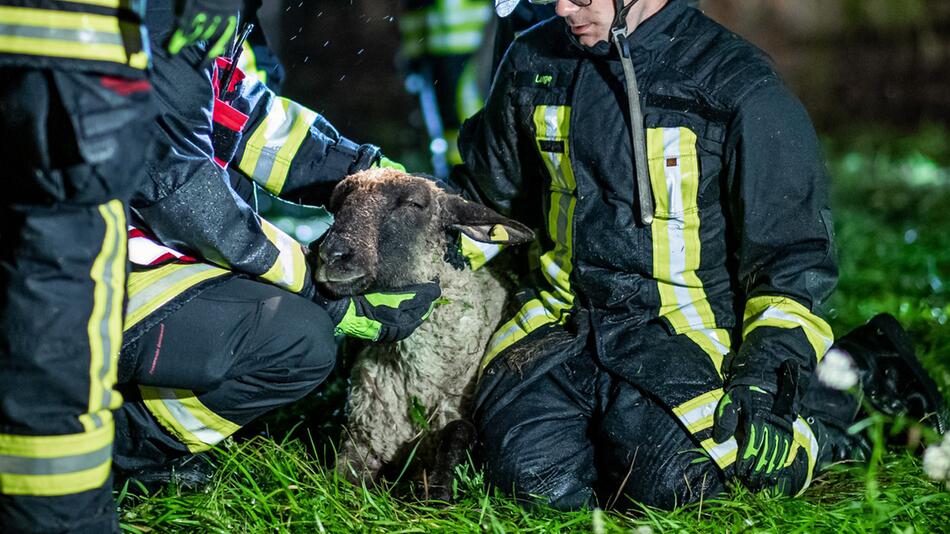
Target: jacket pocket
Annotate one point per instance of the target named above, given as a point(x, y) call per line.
point(674, 171)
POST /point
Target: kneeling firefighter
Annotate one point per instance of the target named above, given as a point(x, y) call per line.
point(223, 322)
point(668, 335)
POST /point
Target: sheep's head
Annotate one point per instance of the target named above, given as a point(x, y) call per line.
point(390, 230)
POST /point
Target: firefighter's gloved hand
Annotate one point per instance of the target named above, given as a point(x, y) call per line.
point(205, 20)
point(387, 163)
point(764, 436)
point(383, 316)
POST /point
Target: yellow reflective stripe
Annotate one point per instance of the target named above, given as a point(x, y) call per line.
point(47, 18)
point(270, 150)
point(530, 317)
point(105, 322)
point(69, 35)
point(724, 454)
point(468, 96)
point(102, 3)
point(111, 399)
point(48, 466)
point(552, 127)
point(715, 343)
point(248, 63)
point(805, 440)
point(697, 414)
point(478, 253)
point(290, 269)
point(152, 289)
point(674, 177)
point(783, 312)
point(180, 412)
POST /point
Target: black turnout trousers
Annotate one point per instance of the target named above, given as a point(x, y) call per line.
point(229, 355)
point(73, 144)
point(571, 428)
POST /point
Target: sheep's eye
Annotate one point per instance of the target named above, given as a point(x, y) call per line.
point(412, 202)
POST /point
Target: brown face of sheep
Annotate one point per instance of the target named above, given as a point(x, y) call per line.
point(379, 229)
point(389, 225)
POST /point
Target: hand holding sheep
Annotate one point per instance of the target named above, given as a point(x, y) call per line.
point(382, 316)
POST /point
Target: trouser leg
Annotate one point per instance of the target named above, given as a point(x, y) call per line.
point(645, 455)
point(62, 282)
point(226, 357)
point(538, 445)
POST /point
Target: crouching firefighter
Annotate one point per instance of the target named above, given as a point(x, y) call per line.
point(75, 106)
point(668, 338)
point(223, 322)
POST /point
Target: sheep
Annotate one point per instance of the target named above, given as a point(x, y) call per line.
point(392, 229)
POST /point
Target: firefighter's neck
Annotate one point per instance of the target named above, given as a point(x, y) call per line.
point(641, 11)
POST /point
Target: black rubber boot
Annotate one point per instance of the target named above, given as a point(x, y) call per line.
point(893, 381)
point(190, 473)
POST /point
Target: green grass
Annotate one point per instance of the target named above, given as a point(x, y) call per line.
point(891, 196)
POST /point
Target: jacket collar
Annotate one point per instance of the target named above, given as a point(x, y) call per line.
point(644, 36)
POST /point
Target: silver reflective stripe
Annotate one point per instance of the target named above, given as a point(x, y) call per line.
point(722, 452)
point(697, 414)
point(677, 225)
point(188, 421)
point(456, 16)
point(61, 34)
point(112, 300)
point(775, 313)
point(147, 295)
point(456, 40)
point(18, 465)
point(536, 311)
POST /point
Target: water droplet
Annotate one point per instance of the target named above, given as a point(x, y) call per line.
point(910, 236)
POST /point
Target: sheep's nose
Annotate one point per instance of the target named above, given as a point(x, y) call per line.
point(335, 251)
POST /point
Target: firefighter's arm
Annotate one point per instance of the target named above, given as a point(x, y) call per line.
point(196, 211)
point(292, 151)
point(786, 256)
point(786, 267)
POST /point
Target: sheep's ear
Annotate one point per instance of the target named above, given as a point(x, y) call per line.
point(484, 224)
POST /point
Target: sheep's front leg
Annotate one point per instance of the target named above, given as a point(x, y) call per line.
point(454, 441)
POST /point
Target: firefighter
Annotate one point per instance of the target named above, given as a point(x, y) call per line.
point(76, 105)
point(224, 322)
point(669, 334)
point(440, 41)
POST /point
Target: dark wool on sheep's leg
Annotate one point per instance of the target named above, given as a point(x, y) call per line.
point(223, 359)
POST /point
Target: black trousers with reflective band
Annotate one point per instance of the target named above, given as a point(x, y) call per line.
point(73, 144)
point(576, 429)
point(234, 352)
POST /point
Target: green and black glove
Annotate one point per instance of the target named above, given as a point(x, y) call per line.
point(383, 316)
point(762, 423)
point(205, 20)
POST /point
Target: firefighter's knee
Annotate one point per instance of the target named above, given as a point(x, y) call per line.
point(553, 485)
point(304, 346)
point(677, 482)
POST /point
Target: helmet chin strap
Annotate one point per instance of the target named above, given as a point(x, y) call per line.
point(618, 34)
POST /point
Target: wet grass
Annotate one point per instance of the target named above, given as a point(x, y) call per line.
point(891, 196)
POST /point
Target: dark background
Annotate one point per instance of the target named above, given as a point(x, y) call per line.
point(853, 62)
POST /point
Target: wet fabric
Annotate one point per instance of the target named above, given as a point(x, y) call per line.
point(73, 146)
point(557, 424)
point(227, 356)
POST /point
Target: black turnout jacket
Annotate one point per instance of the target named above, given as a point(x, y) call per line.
point(741, 247)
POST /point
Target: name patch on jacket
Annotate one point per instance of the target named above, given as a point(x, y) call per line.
point(541, 80)
point(555, 146)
